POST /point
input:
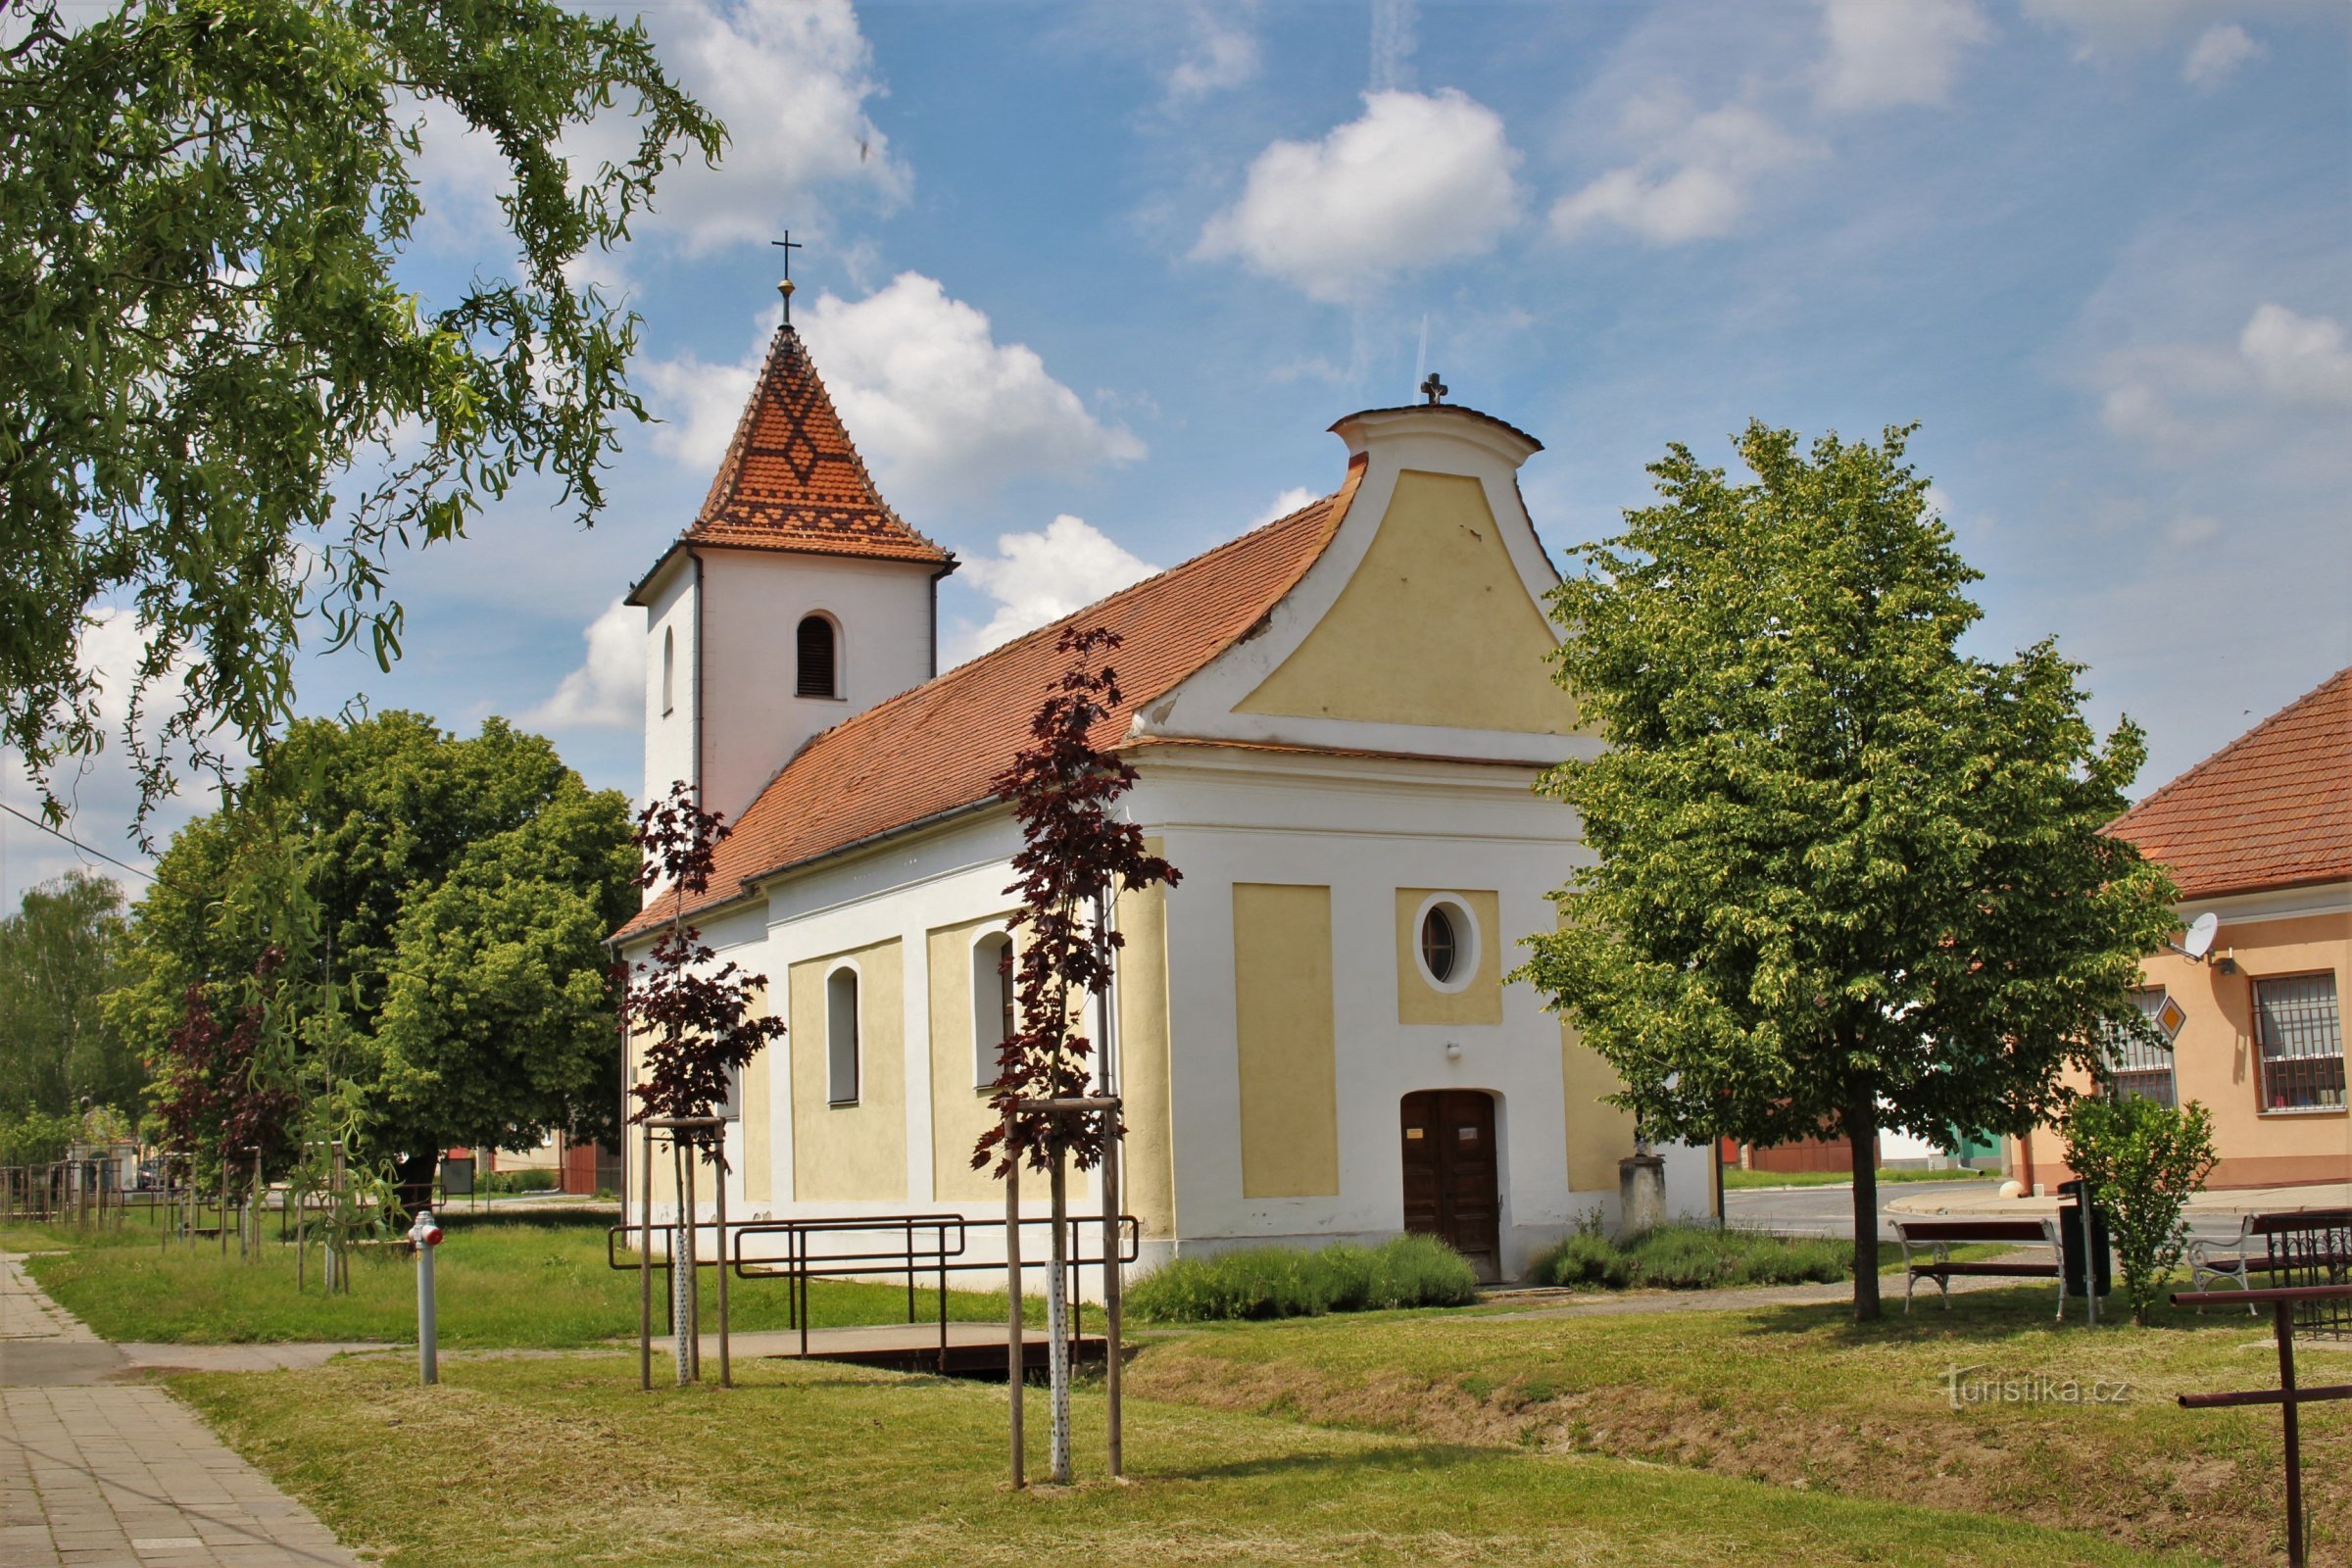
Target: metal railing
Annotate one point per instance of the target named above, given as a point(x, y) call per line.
point(927, 1248)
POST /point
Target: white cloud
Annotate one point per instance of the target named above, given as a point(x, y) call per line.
point(700, 403)
point(100, 792)
point(938, 408)
point(2299, 359)
point(1394, 39)
point(1285, 504)
point(1039, 577)
point(1222, 53)
point(1694, 179)
point(2216, 56)
point(608, 690)
point(2187, 399)
point(2129, 27)
point(789, 79)
point(1883, 56)
point(1417, 180)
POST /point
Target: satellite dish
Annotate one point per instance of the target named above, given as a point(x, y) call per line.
point(2200, 935)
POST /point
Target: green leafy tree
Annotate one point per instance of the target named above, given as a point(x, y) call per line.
point(440, 904)
point(1849, 877)
point(220, 401)
point(60, 952)
point(2142, 1162)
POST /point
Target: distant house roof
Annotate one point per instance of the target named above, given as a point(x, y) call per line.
point(933, 750)
point(793, 480)
point(2271, 809)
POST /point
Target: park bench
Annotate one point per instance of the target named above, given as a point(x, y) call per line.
point(1940, 1236)
point(2235, 1259)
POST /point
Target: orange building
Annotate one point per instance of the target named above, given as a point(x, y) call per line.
point(2258, 835)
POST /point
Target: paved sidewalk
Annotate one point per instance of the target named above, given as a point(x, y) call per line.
point(100, 1473)
point(2208, 1212)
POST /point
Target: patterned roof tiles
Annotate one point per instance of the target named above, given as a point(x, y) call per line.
point(791, 479)
point(2271, 809)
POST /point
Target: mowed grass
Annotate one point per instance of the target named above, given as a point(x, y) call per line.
point(517, 1280)
point(544, 1462)
point(1800, 1396)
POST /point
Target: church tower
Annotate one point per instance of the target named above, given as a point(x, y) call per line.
point(795, 599)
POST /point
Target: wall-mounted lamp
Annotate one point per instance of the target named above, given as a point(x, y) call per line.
point(1453, 1050)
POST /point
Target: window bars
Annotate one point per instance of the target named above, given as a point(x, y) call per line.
point(2301, 1039)
point(2136, 1067)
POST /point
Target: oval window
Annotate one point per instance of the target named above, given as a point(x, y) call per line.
point(1438, 944)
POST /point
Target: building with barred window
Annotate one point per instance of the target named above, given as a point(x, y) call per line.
point(1337, 720)
point(2260, 836)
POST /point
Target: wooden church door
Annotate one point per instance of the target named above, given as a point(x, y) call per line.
point(1452, 1181)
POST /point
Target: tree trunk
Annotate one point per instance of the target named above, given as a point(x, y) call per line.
point(1058, 1325)
point(1862, 1128)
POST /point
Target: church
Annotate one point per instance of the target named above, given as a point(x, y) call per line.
point(1336, 719)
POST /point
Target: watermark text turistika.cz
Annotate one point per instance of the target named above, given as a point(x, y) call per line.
point(1965, 1386)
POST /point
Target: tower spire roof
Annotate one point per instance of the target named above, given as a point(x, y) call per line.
point(793, 480)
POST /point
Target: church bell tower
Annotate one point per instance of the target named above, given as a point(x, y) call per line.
point(796, 599)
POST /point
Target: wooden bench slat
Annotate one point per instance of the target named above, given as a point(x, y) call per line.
point(1973, 1230)
point(2034, 1271)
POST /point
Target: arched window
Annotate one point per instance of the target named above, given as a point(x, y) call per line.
point(840, 1037)
point(819, 660)
point(992, 1005)
point(669, 669)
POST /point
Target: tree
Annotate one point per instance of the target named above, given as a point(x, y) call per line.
point(60, 952)
point(1849, 877)
point(440, 906)
point(700, 1026)
point(1075, 857)
point(2141, 1162)
point(221, 401)
point(216, 1095)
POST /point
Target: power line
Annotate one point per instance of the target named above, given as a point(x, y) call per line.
point(59, 833)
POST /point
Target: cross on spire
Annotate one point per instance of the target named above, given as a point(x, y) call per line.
point(1434, 389)
point(787, 245)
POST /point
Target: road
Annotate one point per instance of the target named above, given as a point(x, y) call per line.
point(1825, 1210)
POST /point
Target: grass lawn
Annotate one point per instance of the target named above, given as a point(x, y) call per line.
point(548, 1461)
point(1802, 1397)
point(1733, 1178)
point(521, 1279)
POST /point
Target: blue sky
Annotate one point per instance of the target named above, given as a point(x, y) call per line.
point(1089, 283)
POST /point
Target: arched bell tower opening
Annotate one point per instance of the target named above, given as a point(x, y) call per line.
point(816, 657)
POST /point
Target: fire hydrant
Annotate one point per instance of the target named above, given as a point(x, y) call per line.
point(428, 1236)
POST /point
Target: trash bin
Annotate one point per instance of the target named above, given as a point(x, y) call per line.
point(2071, 1202)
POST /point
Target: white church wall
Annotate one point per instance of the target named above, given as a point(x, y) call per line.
point(671, 624)
point(1363, 829)
point(754, 602)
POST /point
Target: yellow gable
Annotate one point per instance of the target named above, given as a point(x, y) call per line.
point(1435, 628)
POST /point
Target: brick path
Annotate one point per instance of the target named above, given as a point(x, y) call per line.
point(98, 1472)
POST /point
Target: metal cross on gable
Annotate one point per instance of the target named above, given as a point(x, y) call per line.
point(1434, 389)
point(787, 245)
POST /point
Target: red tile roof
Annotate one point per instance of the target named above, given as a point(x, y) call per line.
point(935, 749)
point(793, 480)
point(2271, 809)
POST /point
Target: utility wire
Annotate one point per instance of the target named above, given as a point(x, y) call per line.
point(58, 833)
